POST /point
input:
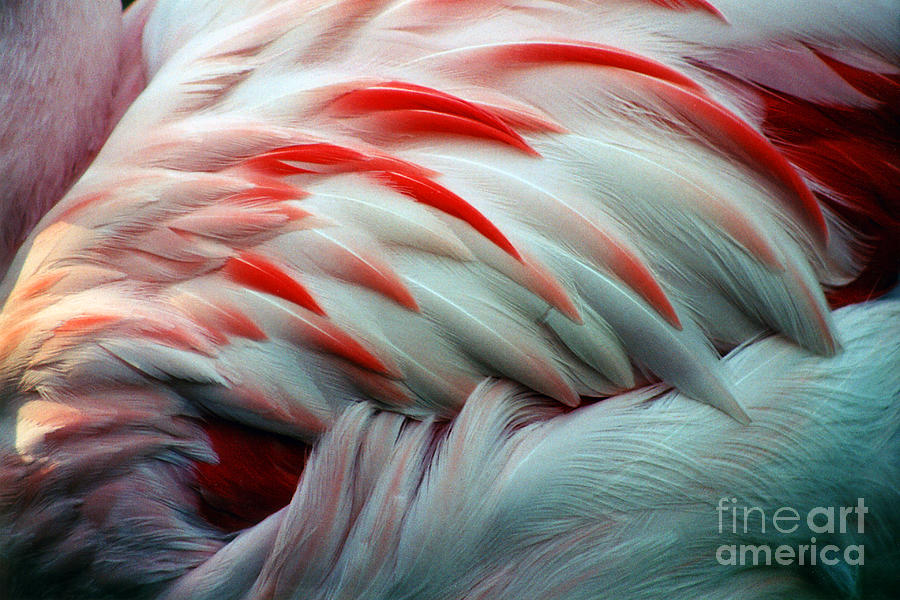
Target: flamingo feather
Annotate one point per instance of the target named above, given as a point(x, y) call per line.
point(496, 264)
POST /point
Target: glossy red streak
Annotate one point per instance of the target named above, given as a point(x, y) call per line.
point(562, 51)
point(335, 159)
point(318, 153)
point(424, 121)
point(398, 95)
point(261, 274)
point(406, 178)
point(416, 100)
point(439, 197)
point(328, 337)
point(639, 277)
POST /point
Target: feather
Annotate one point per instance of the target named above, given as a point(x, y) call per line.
point(562, 505)
point(324, 224)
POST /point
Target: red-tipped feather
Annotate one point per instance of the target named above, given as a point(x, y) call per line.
point(261, 274)
point(855, 153)
point(586, 52)
point(418, 108)
point(734, 133)
point(430, 193)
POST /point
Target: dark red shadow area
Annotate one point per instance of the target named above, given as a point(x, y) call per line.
point(256, 475)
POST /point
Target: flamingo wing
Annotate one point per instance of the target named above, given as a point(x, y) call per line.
point(316, 209)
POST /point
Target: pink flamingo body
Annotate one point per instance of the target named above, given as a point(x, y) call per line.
point(342, 225)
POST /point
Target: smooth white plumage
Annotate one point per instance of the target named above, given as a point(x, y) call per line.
point(616, 500)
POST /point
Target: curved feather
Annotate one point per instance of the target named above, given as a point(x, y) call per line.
point(318, 207)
